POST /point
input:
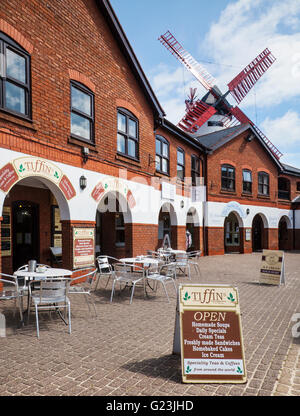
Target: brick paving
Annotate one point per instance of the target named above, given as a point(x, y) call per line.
point(127, 349)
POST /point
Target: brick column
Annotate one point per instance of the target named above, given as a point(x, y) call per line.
point(1, 218)
point(67, 240)
point(215, 240)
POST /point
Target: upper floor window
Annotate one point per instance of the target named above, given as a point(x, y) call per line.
point(82, 112)
point(162, 154)
point(195, 170)
point(247, 181)
point(263, 183)
point(180, 164)
point(128, 134)
point(15, 94)
point(228, 177)
point(298, 186)
point(284, 188)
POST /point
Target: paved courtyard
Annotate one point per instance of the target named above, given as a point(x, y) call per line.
point(127, 349)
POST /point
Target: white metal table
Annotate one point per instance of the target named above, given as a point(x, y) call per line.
point(48, 273)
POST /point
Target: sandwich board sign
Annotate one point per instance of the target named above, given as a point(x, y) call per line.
point(272, 267)
point(211, 342)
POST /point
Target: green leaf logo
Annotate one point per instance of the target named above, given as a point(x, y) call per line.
point(188, 369)
point(230, 297)
point(186, 296)
point(56, 175)
point(21, 168)
point(106, 186)
point(239, 370)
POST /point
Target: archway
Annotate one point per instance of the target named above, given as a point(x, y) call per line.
point(167, 225)
point(284, 236)
point(113, 226)
point(258, 233)
point(192, 230)
point(233, 242)
point(32, 211)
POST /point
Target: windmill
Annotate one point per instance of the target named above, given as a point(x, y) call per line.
point(214, 104)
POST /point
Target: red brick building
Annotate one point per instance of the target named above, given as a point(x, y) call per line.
point(86, 153)
point(80, 130)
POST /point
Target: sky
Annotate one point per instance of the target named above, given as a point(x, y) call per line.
point(224, 36)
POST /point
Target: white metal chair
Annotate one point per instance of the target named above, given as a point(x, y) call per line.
point(10, 290)
point(182, 263)
point(104, 269)
point(130, 274)
point(56, 253)
point(193, 256)
point(166, 274)
point(51, 294)
point(82, 284)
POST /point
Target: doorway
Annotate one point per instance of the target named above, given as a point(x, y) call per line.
point(257, 233)
point(25, 232)
point(283, 235)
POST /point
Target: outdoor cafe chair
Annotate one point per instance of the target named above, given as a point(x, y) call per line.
point(82, 285)
point(104, 268)
point(193, 256)
point(51, 294)
point(166, 274)
point(129, 274)
point(182, 263)
point(10, 290)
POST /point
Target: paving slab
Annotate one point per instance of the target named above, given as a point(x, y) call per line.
point(127, 349)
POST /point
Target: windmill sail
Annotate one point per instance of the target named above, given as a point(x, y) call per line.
point(199, 72)
point(247, 78)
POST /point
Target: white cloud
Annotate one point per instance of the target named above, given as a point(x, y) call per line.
point(284, 132)
point(247, 27)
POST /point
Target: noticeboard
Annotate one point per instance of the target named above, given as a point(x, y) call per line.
point(272, 267)
point(211, 341)
point(83, 247)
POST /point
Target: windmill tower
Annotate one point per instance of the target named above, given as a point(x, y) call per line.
point(213, 112)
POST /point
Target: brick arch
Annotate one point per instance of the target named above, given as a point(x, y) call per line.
point(126, 104)
point(10, 31)
point(83, 79)
point(227, 162)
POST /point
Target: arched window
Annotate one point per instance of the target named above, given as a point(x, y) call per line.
point(228, 178)
point(263, 183)
point(128, 134)
point(180, 164)
point(247, 181)
point(162, 155)
point(82, 112)
point(15, 93)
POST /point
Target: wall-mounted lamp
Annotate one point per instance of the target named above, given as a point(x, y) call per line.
point(85, 153)
point(181, 204)
point(247, 211)
point(82, 182)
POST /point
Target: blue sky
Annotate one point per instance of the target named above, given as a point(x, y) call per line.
point(224, 36)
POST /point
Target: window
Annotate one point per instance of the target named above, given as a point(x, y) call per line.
point(15, 94)
point(298, 186)
point(284, 188)
point(195, 170)
point(119, 227)
point(82, 112)
point(247, 181)
point(263, 183)
point(228, 177)
point(180, 164)
point(162, 155)
point(128, 134)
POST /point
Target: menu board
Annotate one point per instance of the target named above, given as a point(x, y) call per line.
point(6, 232)
point(211, 340)
point(272, 267)
point(83, 247)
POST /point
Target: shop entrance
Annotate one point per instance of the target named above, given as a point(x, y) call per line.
point(25, 232)
point(257, 233)
point(283, 234)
